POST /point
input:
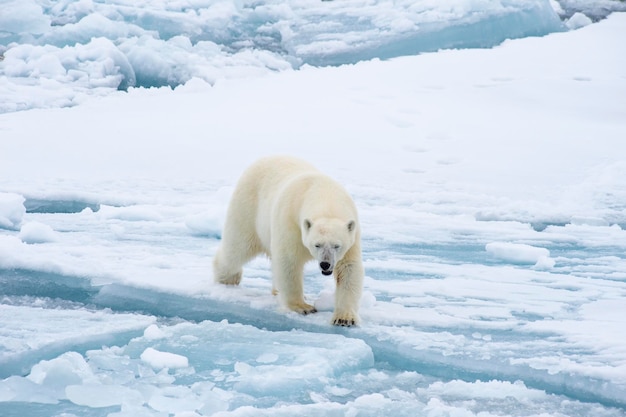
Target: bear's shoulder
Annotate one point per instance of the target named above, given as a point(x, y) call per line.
point(285, 163)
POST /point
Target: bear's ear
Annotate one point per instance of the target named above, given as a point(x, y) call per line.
point(351, 225)
point(307, 224)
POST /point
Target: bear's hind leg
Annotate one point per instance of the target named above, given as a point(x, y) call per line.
point(230, 259)
point(223, 275)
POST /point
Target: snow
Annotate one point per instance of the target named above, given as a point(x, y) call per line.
point(490, 183)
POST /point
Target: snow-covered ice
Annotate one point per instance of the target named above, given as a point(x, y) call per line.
point(491, 186)
point(58, 54)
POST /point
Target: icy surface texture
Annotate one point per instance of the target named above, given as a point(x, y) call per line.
point(57, 54)
point(222, 369)
point(206, 367)
point(593, 9)
point(491, 188)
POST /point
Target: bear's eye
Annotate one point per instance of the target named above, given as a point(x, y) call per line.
point(336, 247)
point(318, 245)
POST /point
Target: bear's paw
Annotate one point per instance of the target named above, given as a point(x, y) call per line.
point(302, 308)
point(345, 319)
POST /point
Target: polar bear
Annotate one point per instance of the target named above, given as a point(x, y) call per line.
point(285, 208)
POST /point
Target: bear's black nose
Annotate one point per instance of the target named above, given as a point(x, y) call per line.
point(324, 266)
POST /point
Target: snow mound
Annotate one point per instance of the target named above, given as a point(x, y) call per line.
point(12, 210)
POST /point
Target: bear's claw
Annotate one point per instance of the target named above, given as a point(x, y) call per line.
point(344, 322)
point(345, 319)
point(313, 310)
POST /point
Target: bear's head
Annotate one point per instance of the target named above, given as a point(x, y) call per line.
point(328, 240)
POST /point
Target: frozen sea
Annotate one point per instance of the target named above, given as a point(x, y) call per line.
point(482, 141)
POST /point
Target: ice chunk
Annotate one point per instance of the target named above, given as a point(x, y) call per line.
point(55, 375)
point(159, 360)
point(12, 210)
point(153, 332)
point(35, 232)
point(578, 20)
point(517, 252)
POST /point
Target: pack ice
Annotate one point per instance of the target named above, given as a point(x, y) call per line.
point(490, 184)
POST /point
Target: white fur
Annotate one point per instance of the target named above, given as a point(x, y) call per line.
point(285, 208)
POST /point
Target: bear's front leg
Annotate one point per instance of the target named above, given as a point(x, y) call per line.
point(349, 277)
point(289, 283)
